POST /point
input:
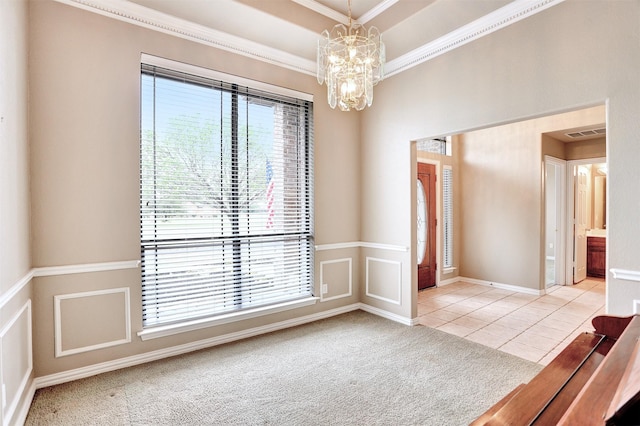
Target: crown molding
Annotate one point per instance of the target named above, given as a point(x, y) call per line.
point(324, 10)
point(377, 10)
point(344, 19)
point(148, 18)
point(500, 18)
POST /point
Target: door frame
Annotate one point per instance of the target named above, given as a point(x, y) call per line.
point(561, 214)
point(571, 164)
point(414, 262)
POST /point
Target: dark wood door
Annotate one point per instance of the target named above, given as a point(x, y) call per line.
point(426, 226)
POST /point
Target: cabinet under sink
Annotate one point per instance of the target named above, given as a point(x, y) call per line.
point(596, 256)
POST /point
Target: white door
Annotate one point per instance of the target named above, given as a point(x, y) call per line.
point(580, 251)
point(555, 222)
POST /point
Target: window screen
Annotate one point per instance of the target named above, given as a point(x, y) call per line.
point(434, 146)
point(226, 208)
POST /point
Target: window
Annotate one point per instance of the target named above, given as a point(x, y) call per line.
point(226, 187)
point(447, 212)
point(440, 146)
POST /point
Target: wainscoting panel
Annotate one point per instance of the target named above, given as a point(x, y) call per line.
point(336, 279)
point(384, 280)
point(16, 363)
point(91, 320)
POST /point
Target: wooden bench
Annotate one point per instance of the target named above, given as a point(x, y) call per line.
point(595, 380)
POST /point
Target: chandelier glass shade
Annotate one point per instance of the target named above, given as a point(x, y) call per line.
point(351, 61)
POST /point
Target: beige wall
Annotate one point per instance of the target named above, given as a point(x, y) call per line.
point(593, 148)
point(502, 198)
point(505, 77)
point(84, 126)
point(15, 263)
point(84, 79)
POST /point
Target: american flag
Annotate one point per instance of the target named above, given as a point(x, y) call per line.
point(270, 185)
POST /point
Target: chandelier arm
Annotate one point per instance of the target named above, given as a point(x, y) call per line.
point(350, 62)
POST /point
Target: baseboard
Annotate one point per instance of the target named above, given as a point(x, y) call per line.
point(20, 416)
point(92, 370)
point(388, 315)
point(448, 281)
point(501, 286)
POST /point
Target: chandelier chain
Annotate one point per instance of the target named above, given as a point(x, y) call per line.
point(351, 61)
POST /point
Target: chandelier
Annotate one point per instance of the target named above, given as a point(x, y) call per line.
point(351, 61)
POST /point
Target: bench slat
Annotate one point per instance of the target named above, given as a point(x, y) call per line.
point(497, 406)
point(556, 408)
point(531, 400)
point(591, 404)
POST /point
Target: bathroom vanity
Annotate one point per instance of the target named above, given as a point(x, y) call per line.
point(596, 256)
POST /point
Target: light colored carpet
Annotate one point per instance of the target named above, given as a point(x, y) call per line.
point(355, 369)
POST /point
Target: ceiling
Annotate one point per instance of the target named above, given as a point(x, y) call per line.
point(405, 24)
point(579, 134)
point(285, 32)
point(294, 26)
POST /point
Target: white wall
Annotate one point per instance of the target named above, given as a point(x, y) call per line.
point(15, 262)
point(536, 67)
point(84, 122)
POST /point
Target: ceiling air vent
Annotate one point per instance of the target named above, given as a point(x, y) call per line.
point(587, 133)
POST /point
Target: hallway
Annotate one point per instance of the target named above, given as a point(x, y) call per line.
point(532, 327)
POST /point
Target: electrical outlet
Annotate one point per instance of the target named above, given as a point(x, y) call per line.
point(325, 289)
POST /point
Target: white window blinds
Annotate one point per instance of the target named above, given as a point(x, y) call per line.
point(226, 186)
point(447, 211)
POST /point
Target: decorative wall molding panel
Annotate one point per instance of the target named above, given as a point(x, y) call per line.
point(338, 246)
point(47, 271)
point(84, 268)
point(384, 280)
point(341, 276)
point(625, 274)
point(80, 373)
point(15, 336)
point(91, 370)
point(361, 244)
point(93, 322)
point(15, 289)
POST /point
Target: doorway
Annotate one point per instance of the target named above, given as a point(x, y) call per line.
point(426, 225)
point(555, 212)
point(586, 205)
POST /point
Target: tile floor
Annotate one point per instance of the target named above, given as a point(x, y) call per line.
point(532, 327)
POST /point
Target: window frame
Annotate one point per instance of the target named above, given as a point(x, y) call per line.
point(159, 330)
point(447, 219)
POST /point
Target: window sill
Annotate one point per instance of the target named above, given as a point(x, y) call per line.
point(169, 330)
point(448, 270)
